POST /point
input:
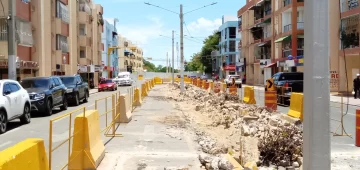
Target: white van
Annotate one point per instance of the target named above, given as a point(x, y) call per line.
point(123, 78)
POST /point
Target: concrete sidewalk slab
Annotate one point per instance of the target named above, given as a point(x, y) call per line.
point(156, 138)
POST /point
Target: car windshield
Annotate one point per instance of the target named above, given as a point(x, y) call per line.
point(35, 83)
point(68, 80)
point(235, 77)
point(123, 76)
point(106, 82)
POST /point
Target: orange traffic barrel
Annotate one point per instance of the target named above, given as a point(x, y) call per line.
point(357, 124)
point(206, 86)
point(233, 90)
point(271, 100)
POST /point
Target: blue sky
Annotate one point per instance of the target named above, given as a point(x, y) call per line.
point(143, 24)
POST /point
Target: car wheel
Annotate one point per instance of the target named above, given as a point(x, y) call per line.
point(26, 117)
point(86, 98)
point(49, 107)
point(3, 122)
point(64, 105)
point(77, 102)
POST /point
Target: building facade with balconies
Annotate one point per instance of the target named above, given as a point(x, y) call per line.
point(267, 29)
point(130, 56)
point(228, 59)
point(110, 54)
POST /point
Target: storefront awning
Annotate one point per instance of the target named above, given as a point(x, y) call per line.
point(267, 20)
point(283, 38)
point(270, 65)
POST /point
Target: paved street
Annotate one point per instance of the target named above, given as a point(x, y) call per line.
point(39, 128)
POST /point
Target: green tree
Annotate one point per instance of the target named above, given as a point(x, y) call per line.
point(210, 44)
point(149, 66)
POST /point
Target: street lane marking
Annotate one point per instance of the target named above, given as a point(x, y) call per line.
point(62, 136)
point(4, 144)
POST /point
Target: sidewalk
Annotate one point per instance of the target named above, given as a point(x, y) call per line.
point(93, 91)
point(155, 138)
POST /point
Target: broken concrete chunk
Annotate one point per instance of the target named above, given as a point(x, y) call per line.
point(205, 158)
point(251, 166)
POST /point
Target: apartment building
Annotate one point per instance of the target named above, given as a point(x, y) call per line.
point(130, 56)
point(110, 54)
point(228, 61)
point(49, 37)
point(272, 38)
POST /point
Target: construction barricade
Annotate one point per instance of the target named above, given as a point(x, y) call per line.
point(211, 86)
point(187, 80)
point(270, 100)
point(249, 96)
point(217, 87)
point(203, 84)
point(143, 90)
point(158, 80)
point(223, 87)
point(206, 85)
point(233, 90)
point(140, 77)
point(199, 83)
point(28, 154)
point(296, 105)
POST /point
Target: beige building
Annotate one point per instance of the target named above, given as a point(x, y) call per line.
point(130, 55)
point(58, 35)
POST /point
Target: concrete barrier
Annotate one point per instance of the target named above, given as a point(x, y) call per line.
point(234, 163)
point(296, 105)
point(153, 82)
point(137, 97)
point(187, 80)
point(88, 149)
point(143, 90)
point(249, 96)
point(28, 154)
point(203, 82)
point(123, 109)
point(233, 90)
point(158, 80)
point(140, 77)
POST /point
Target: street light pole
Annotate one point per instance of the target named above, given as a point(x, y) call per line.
point(181, 49)
point(11, 41)
point(173, 66)
point(316, 127)
point(167, 63)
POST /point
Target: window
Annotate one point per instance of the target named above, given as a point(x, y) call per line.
point(240, 21)
point(56, 81)
point(82, 29)
point(82, 54)
point(6, 88)
point(35, 83)
point(79, 79)
point(14, 87)
point(232, 46)
point(62, 12)
point(232, 32)
point(62, 43)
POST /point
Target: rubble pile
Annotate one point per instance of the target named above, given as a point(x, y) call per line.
point(265, 136)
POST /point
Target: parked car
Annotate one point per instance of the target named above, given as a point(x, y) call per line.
point(107, 85)
point(286, 83)
point(14, 104)
point(45, 94)
point(123, 78)
point(229, 80)
point(77, 89)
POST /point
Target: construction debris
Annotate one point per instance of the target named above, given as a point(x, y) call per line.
point(257, 135)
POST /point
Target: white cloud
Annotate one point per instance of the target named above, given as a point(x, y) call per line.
point(202, 27)
point(141, 33)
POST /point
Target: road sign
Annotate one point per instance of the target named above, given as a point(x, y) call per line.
point(270, 84)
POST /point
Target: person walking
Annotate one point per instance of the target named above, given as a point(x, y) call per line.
point(356, 85)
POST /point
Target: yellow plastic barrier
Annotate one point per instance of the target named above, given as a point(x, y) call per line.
point(211, 86)
point(203, 84)
point(147, 85)
point(123, 109)
point(88, 149)
point(223, 87)
point(137, 97)
point(187, 80)
point(153, 82)
point(234, 163)
point(140, 77)
point(143, 90)
point(28, 154)
point(177, 79)
point(198, 83)
point(249, 96)
point(296, 105)
point(158, 80)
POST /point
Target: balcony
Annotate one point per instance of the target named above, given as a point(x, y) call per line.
point(300, 26)
point(349, 34)
point(82, 40)
point(287, 2)
point(83, 17)
point(347, 5)
point(300, 52)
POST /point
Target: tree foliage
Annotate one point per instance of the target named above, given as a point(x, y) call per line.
point(202, 59)
point(150, 67)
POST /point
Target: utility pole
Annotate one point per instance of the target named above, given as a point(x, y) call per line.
point(316, 127)
point(173, 66)
point(177, 55)
point(181, 49)
point(167, 63)
point(12, 41)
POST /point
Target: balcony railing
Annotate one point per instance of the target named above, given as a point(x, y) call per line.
point(3, 29)
point(287, 2)
point(300, 52)
point(347, 5)
point(267, 34)
point(267, 12)
point(287, 28)
point(300, 25)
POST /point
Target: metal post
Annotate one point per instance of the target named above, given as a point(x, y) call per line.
point(181, 49)
point(316, 86)
point(172, 63)
point(167, 63)
point(177, 55)
point(12, 41)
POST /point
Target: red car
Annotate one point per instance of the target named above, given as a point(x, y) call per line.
point(107, 85)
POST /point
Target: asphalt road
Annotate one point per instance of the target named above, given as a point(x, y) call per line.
point(39, 128)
